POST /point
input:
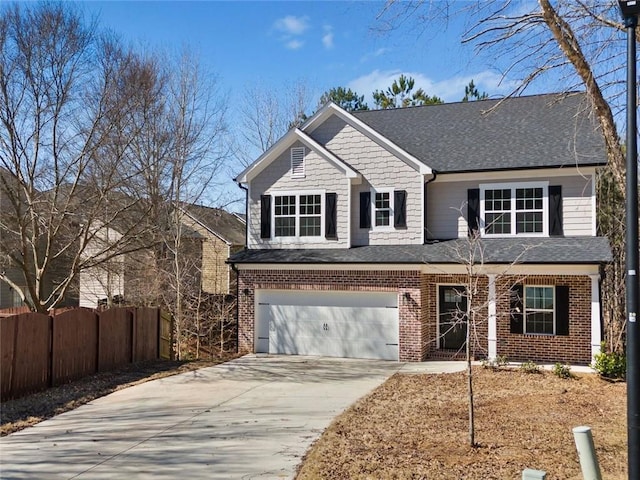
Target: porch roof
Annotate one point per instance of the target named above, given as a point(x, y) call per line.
point(552, 250)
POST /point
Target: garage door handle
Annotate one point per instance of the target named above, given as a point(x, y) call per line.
point(263, 338)
point(391, 344)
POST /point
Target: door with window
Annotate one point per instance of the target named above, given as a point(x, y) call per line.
point(452, 317)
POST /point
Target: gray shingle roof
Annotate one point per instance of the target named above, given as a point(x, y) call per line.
point(522, 132)
point(552, 250)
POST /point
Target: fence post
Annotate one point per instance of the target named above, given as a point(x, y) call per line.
point(50, 382)
point(587, 453)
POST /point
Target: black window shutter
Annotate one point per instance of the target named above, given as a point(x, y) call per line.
point(517, 309)
point(331, 216)
point(365, 209)
point(555, 210)
point(562, 310)
point(265, 216)
point(473, 209)
point(400, 208)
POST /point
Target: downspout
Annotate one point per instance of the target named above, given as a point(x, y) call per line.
point(424, 206)
point(235, 269)
point(246, 215)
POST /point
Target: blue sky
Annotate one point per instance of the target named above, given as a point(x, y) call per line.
point(323, 44)
point(320, 44)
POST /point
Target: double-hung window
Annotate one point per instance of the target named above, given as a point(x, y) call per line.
point(310, 215)
point(285, 215)
point(517, 209)
point(298, 214)
point(539, 309)
point(539, 302)
point(382, 208)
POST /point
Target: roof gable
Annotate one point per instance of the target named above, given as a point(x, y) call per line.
point(540, 131)
point(330, 109)
point(281, 146)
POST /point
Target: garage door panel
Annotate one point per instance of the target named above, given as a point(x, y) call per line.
point(340, 324)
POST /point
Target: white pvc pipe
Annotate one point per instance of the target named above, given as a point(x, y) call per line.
point(587, 453)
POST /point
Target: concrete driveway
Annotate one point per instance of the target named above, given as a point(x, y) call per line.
point(253, 417)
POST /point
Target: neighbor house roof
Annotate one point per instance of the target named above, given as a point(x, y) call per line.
point(537, 131)
point(552, 250)
point(225, 225)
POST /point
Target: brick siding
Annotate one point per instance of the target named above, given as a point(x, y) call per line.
point(417, 309)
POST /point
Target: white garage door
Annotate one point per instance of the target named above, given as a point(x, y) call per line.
point(334, 324)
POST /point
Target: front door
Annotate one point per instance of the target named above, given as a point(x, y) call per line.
point(452, 317)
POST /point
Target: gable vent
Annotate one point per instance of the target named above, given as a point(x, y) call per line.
point(297, 162)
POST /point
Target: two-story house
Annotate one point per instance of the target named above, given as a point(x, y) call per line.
point(365, 229)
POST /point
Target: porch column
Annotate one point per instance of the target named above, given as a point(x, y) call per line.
point(492, 331)
point(596, 328)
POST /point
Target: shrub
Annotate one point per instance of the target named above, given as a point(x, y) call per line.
point(530, 367)
point(562, 371)
point(610, 364)
point(495, 363)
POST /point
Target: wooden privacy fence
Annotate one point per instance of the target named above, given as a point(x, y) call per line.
point(40, 351)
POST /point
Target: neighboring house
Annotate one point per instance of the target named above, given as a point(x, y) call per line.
point(208, 237)
point(105, 281)
point(358, 223)
point(222, 234)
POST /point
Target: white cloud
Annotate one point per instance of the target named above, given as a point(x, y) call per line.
point(378, 53)
point(291, 25)
point(327, 38)
point(450, 89)
point(294, 44)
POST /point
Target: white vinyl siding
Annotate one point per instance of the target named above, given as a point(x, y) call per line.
point(320, 175)
point(447, 204)
point(379, 169)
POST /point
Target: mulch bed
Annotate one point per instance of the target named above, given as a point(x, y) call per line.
point(416, 427)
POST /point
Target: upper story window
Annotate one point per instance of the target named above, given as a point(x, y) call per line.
point(297, 214)
point(516, 209)
point(297, 162)
point(382, 209)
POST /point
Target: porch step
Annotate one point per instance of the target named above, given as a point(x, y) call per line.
point(442, 354)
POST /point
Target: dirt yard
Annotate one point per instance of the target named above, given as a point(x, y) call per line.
point(415, 427)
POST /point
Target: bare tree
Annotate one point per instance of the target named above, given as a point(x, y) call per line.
point(266, 115)
point(473, 309)
point(58, 84)
point(179, 150)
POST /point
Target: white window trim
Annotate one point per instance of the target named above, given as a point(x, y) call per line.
point(297, 237)
point(524, 309)
point(301, 171)
point(513, 186)
point(382, 228)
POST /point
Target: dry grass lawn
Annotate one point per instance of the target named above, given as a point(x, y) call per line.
point(415, 427)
